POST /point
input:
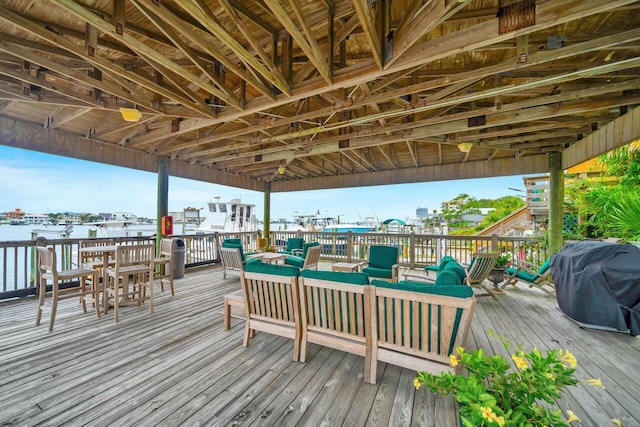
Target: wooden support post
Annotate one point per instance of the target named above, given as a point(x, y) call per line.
point(556, 202)
point(163, 196)
point(267, 211)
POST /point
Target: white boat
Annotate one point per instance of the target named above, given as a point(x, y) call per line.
point(231, 216)
point(334, 226)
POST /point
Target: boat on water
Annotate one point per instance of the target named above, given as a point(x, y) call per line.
point(231, 216)
point(335, 226)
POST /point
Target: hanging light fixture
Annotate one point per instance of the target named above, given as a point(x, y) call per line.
point(465, 147)
point(130, 114)
point(281, 169)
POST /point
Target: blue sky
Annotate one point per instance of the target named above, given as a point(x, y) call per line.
point(42, 183)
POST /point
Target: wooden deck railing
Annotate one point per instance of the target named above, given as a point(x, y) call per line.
point(17, 268)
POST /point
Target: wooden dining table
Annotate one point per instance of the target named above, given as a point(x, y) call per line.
point(106, 252)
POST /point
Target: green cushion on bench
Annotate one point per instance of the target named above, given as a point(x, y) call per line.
point(426, 288)
point(265, 268)
point(337, 276)
point(456, 268)
point(385, 273)
point(233, 241)
point(448, 278)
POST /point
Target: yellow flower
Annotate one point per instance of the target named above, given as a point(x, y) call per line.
point(520, 362)
point(416, 383)
point(460, 350)
point(490, 416)
point(568, 358)
point(595, 382)
point(572, 417)
point(454, 361)
point(549, 375)
point(616, 422)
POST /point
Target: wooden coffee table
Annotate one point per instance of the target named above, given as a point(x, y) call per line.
point(272, 258)
point(347, 266)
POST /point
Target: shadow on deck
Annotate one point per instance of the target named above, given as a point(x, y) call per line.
point(179, 367)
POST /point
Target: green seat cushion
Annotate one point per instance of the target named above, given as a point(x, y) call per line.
point(523, 275)
point(448, 278)
point(337, 276)
point(306, 247)
point(456, 291)
point(383, 256)
point(386, 273)
point(296, 261)
point(234, 246)
point(265, 268)
point(250, 260)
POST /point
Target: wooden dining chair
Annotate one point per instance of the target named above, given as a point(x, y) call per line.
point(95, 260)
point(131, 276)
point(62, 286)
point(164, 264)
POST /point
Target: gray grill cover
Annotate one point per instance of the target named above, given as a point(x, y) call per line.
point(598, 283)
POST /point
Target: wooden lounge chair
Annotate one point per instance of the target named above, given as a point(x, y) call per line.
point(417, 326)
point(334, 307)
point(479, 270)
point(271, 302)
point(531, 274)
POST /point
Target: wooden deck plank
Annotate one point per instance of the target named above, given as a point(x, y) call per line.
point(178, 366)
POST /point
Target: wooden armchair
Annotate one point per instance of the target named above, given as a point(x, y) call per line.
point(417, 326)
point(271, 302)
point(308, 259)
point(383, 263)
point(531, 274)
point(334, 307)
point(164, 264)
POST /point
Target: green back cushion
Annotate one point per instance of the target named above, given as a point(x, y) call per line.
point(265, 268)
point(544, 267)
point(234, 241)
point(294, 243)
point(426, 288)
point(444, 261)
point(226, 244)
point(383, 256)
point(337, 276)
point(456, 268)
point(306, 247)
point(448, 278)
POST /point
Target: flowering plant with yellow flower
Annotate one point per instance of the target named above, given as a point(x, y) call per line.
point(497, 393)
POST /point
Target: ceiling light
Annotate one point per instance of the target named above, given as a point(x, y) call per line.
point(281, 170)
point(130, 114)
point(465, 147)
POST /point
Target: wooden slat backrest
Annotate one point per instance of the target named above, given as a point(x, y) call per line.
point(272, 297)
point(481, 266)
point(417, 330)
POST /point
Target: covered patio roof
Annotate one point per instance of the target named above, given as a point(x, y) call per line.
point(321, 93)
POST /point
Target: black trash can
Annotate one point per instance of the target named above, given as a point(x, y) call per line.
point(178, 248)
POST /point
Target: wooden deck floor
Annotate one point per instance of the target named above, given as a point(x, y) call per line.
point(179, 367)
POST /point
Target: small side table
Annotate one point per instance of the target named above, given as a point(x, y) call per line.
point(347, 266)
point(272, 258)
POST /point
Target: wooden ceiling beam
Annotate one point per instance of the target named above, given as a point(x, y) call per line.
point(189, 53)
point(119, 74)
point(308, 46)
point(367, 22)
point(537, 58)
point(143, 50)
point(201, 12)
point(203, 41)
point(414, 25)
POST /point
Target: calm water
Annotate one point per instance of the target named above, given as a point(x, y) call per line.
point(9, 233)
